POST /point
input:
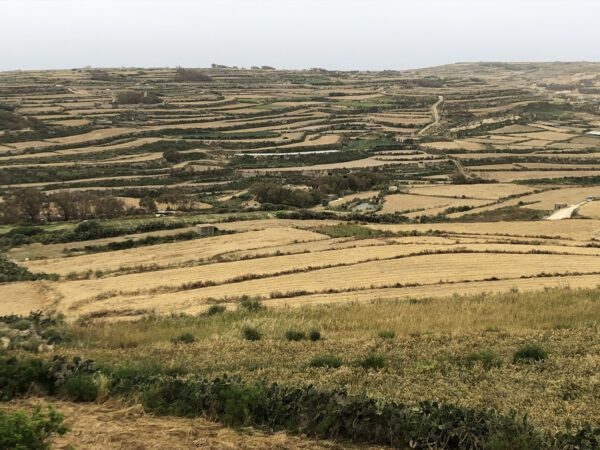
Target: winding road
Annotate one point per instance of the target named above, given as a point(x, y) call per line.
point(436, 116)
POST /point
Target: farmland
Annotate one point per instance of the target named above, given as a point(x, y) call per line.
point(258, 230)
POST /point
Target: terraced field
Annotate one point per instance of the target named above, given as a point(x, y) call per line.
point(154, 215)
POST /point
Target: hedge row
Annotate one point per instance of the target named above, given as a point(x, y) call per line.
point(320, 413)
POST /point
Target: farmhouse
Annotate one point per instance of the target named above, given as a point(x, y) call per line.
point(206, 230)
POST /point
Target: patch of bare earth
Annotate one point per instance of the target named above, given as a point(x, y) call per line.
point(114, 426)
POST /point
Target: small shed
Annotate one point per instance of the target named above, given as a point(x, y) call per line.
point(206, 230)
point(560, 205)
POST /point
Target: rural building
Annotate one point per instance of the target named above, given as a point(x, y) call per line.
point(206, 230)
point(560, 205)
point(166, 212)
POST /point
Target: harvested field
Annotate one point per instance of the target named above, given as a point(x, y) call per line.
point(115, 426)
point(177, 252)
point(477, 191)
point(424, 203)
point(423, 270)
point(508, 176)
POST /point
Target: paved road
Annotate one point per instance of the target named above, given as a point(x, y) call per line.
point(436, 115)
point(565, 213)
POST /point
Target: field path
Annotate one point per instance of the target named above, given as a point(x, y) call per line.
point(565, 213)
point(436, 116)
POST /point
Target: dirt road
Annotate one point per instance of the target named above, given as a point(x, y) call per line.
point(436, 116)
point(565, 213)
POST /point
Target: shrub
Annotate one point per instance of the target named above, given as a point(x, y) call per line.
point(387, 334)
point(184, 338)
point(529, 352)
point(372, 362)
point(80, 388)
point(193, 75)
point(314, 335)
point(488, 359)
point(17, 376)
point(250, 304)
point(19, 431)
point(326, 361)
point(251, 334)
point(215, 309)
point(21, 325)
point(11, 271)
point(55, 336)
point(294, 335)
point(136, 97)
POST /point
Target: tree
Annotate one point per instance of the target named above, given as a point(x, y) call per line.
point(9, 211)
point(148, 204)
point(30, 202)
point(172, 156)
point(182, 74)
point(109, 207)
point(65, 203)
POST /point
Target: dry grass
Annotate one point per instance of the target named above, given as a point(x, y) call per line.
point(174, 252)
point(419, 270)
point(569, 195)
point(426, 360)
point(424, 203)
point(116, 426)
point(479, 191)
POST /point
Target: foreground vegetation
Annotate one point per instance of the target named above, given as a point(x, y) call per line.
point(424, 371)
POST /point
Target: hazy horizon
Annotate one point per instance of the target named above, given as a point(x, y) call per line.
point(294, 34)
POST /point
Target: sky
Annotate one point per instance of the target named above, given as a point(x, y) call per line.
point(294, 34)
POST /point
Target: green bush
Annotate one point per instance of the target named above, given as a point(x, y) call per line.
point(294, 335)
point(21, 325)
point(314, 335)
point(19, 431)
point(11, 271)
point(488, 359)
point(360, 420)
point(184, 338)
point(18, 376)
point(215, 309)
point(530, 352)
point(387, 334)
point(80, 388)
point(250, 304)
point(55, 336)
point(372, 362)
point(326, 361)
point(251, 334)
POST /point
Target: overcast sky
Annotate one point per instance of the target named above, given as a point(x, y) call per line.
point(333, 34)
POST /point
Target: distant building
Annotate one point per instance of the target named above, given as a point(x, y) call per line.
point(206, 230)
point(166, 212)
point(560, 205)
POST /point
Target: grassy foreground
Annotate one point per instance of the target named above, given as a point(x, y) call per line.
point(458, 350)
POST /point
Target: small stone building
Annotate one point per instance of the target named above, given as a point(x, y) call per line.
point(206, 230)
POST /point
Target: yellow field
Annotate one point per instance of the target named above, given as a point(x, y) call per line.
point(508, 176)
point(425, 270)
point(173, 253)
point(477, 191)
point(424, 203)
point(591, 210)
